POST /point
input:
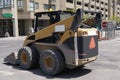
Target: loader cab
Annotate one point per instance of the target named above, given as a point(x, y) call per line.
point(44, 19)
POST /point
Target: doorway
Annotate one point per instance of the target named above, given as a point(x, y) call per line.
point(6, 25)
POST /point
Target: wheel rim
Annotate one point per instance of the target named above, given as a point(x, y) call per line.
point(49, 62)
point(24, 58)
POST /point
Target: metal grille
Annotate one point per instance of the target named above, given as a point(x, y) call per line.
point(109, 31)
point(117, 33)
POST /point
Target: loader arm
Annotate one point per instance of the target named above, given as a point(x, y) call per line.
point(71, 23)
point(48, 31)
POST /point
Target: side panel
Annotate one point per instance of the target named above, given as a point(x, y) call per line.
point(69, 56)
point(44, 46)
point(67, 52)
point(87, 46)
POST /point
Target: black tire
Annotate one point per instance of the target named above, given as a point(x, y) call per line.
point(52, 62)
point(28, 58)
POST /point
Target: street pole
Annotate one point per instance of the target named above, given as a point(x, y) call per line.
point(34, 6)
point(83, 4)
point(75, 3)
point(113, 7)
point(58, 4)
point(15, 19)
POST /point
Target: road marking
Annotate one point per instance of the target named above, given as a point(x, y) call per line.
point(6, 73)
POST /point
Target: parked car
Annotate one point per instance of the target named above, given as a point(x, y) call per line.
point(118, 27)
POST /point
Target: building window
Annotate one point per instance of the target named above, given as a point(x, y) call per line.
point(20, 3)
point(53, 0)
point(79, 2)
point(106, 9)
point(1, 4)
point(97, 1)
point(86, 4)
point(46, 7)
point(106, 4)
point(36, 5)
point(102, 2)
point(106, 15)
point(53, 7)
point(102, 9)
point(31, 6)
point(70, 1)
point(5, 3)
point(97, 7)
point(92, 13)
point(92, 6)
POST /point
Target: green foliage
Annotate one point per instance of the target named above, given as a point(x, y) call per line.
point(86, 16)
point(115, 18)
point(71, 10)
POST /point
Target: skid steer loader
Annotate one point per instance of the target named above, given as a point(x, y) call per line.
point(60, 40)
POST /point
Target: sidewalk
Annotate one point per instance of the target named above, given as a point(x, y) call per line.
point(13, 38)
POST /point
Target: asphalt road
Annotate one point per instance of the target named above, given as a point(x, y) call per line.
point(106, 67)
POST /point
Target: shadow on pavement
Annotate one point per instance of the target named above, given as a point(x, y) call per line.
point(73, 73)
point(66, 74)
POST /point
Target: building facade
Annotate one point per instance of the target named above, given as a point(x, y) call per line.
point(92, 5)
point(23, 15)
point(23, 11)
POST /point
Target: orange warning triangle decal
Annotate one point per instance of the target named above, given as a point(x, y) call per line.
point(92, 43)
